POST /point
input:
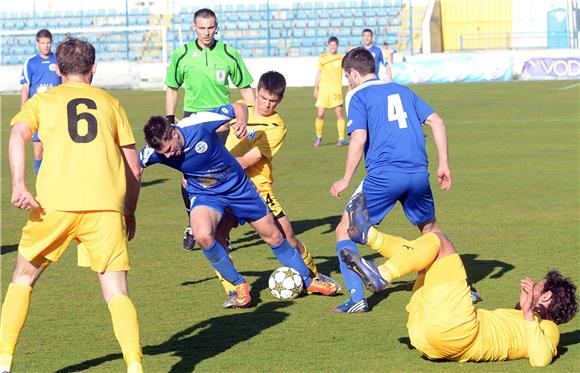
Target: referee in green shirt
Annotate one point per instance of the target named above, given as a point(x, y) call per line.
point(204, 67)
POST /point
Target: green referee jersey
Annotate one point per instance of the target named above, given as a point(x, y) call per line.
point(204, 73)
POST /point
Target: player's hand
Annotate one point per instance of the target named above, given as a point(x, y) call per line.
point(338, 187)
point(23, 199)
point(131, 225)
point(527, 298)
point(241, 129)
point(444, 177)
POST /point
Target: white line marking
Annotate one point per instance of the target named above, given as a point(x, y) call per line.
point(577, 84)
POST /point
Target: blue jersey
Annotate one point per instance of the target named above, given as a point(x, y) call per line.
point(393, 117)
point(206, 164)
point(378, 55)
point(40, 74)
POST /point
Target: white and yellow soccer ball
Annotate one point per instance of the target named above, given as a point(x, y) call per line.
point(285, 283)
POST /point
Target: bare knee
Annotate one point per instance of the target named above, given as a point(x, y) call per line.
point(274, 238)
point(430, 227)
point(204, 239)
point(341, 230)
point(25, 272)
point(113, 284)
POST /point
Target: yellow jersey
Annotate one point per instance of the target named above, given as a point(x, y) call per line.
point(330, 67)
point(267, 135)
point(504, 334)
point(82, 129)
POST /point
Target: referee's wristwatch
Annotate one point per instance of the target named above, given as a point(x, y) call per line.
point(170, 119)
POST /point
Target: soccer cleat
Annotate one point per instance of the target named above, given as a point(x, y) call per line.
point(230, 301)
point(365, 269)
point(325, 278)
point(341, 143)
point(188, 239)
point(317, 142)
point(358, 219)
point(352, 307)
point(243, 297)
point(324, 288)
point(475, 296)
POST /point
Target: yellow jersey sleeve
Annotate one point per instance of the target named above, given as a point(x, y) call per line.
point(124, 132)
point(543, 338)
point(28, 114)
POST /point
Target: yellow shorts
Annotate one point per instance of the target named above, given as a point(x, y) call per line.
point(101, 235)
point(442, 320)
point(273, 204)
point(328, 99)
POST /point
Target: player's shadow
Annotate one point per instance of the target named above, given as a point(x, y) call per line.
point(479, 269)
point(5, 249)
point(251, 238)
point(205, 339)
point(567, 339)
point(145, 184)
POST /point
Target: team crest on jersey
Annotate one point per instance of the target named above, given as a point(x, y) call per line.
point(349, 123)
point(252, 134)
point(194, 54)
point(225, 111)
point(201, 147)
point(52, 67)
point(220, 76)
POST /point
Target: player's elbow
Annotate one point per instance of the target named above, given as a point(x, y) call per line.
point(541, 359)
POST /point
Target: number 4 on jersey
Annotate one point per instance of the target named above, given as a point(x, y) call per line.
point(395, 110)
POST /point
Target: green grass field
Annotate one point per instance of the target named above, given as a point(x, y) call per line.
point(513, 211)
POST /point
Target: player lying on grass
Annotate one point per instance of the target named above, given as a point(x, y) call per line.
point(443, 324)
point(215, 182)
point(266, 133)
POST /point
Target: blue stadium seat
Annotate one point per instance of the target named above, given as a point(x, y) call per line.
point(298, 33)
point(324, 23)
point(329, 5)
point(359, 22)
point(335, 22)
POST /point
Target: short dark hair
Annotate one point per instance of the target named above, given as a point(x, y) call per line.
point(333, 39)
point(156, 130)
point(204, 13)
point(44, 33)
point(274, 82)
point(359, 59)
point(367, 30)
point(564, 304)
point(75, 55)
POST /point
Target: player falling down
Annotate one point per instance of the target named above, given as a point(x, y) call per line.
point(443, 324)
point(266, 134)
point(215, 182)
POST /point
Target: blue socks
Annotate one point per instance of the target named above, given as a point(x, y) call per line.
point(290, 257)
point(37, 163)
point(353, 282)
point(220, 261)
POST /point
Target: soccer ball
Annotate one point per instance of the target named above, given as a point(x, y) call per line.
point(285, 283)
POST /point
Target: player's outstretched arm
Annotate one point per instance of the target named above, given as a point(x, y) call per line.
point(25, 90)
point(21, 196)
point(316, 83)
point(133, 172)
point(358, 139)
point(241, 111)
point(389, 72)
point(440, 137)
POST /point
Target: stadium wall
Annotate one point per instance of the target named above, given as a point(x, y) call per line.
point(301, 71)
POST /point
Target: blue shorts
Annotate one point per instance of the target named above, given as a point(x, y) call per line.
point(35, 137)
point(245, 202)
point(412, 190)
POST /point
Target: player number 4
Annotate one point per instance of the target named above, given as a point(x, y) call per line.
point(396, 111)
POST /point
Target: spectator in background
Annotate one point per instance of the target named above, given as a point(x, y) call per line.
point(204, 67)
point(38, 75)
point(367, 39)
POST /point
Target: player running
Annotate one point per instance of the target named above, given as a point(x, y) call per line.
point(328, 91)
point(443, 324)
point(87, 191)
point(215, 182)
point(266, 134)
point(385, 123)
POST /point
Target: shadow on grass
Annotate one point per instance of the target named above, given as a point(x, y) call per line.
point(6, 249)
point(145, 184)
point(205, 339)
point(251, 238)
point(479, 269)
point(567, 339)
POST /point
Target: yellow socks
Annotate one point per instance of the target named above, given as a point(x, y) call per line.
point(318, 125)
point(126, 327)
point(228, 286)
point(341, 127)
point(309, 261)
point(412, 256)
point(14, 313)
point(384, 244)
